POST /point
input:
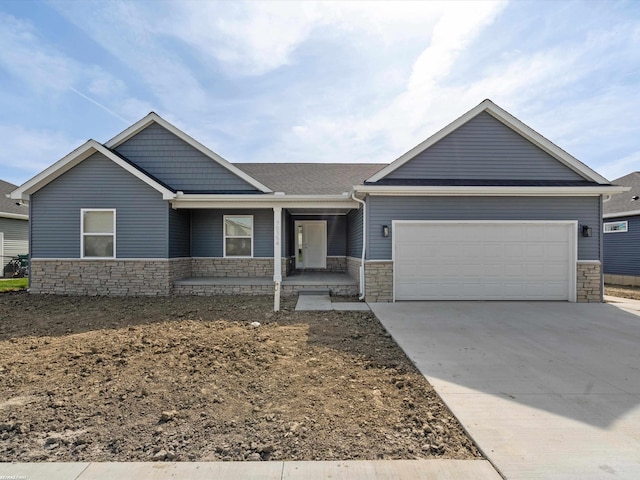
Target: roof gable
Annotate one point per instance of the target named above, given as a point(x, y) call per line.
point(482, 144)
point(158, 147)
point(77, 156)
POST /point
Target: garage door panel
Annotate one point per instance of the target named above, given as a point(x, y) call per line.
point(493, 261)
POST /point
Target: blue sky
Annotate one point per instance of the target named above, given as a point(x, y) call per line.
point(316, 82)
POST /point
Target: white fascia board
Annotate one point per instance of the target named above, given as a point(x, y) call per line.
point(154, 117)
point(510, 121)
point(14, 216)
point(510, 191)
point(74, 158)
point(621, 214)
point(262, 201)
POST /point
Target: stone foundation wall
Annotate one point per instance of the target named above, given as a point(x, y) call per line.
point(336, 264)
point(179, 268)
point(353, 267)
point(101, 277)
point(232, 267)
point(378, 281)
point(625, 280)
point(588, 284)
point(286, 290)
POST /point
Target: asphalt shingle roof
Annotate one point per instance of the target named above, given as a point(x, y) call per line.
point(6, 204)
point(624, 202)
point(310, 178)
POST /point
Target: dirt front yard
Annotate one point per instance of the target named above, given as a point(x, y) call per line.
point(189, 378)
point(622, 291)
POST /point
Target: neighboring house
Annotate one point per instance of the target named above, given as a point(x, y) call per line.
point(14, 227)
point(485, 209)
point(622, 234)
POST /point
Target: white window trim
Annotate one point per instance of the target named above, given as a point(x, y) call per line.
point(82, 234)
point(626, 227)
point(225, 236)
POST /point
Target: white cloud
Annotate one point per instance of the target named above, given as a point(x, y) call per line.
point(619, 168)
point(28, 151)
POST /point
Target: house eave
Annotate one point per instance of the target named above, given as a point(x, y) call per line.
point(262, 201)
point(14, 216)
point(622, 214)
point(507, 191)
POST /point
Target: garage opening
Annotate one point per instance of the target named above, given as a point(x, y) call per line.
point(484, 260)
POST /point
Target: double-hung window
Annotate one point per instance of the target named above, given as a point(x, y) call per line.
point(238, 236)
point(98, 233)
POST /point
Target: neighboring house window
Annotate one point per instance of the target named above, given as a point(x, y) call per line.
point(616, 227)
point(98, 233)
point(238, 235)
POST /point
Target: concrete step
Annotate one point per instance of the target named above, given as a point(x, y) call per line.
point(315, 291)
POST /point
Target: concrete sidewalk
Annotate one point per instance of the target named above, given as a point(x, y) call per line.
point(352, 470)
point(626, 304)
point(319, 303)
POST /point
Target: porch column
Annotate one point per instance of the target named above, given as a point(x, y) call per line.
point(277, 256)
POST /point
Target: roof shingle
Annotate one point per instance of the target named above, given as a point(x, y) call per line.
point(624, 202)
point(310, 178)
point(6, 204)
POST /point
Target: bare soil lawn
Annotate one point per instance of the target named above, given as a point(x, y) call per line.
point(622, 291)
point(189, 379)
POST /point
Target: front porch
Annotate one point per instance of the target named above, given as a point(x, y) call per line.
point(337, 283)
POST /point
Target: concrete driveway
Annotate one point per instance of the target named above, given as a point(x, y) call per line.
point(546, 389)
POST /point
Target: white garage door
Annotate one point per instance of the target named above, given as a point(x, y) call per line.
point(484, 260)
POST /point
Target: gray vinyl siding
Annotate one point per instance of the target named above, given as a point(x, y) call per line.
point(14, 235)
point(97, 182)
point(179, 233)
point(622, 250)
point(354, 233)
point(207, 232)
point(486, 149)
point(176, 163)
point(336, 232)
point(382, 210)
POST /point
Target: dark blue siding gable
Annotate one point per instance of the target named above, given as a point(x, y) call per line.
point(97, 182)
point(382, 210)
point(622, 250)
point(207, 234)
point(484, 149)
point(179, 165)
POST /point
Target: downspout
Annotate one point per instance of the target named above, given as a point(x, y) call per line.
point(364, 242)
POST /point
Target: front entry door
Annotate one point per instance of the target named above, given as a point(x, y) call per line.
point(311, 244)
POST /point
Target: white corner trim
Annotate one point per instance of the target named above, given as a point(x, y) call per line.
point(154, 117)
point(74, 158)
point(510, 121)
point(399, 190)
point(14, 216)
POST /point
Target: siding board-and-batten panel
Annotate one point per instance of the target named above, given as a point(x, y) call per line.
point(622, 250)
point(97, 182)
point(176, 163)
point(382, 210)
point(484, 148)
